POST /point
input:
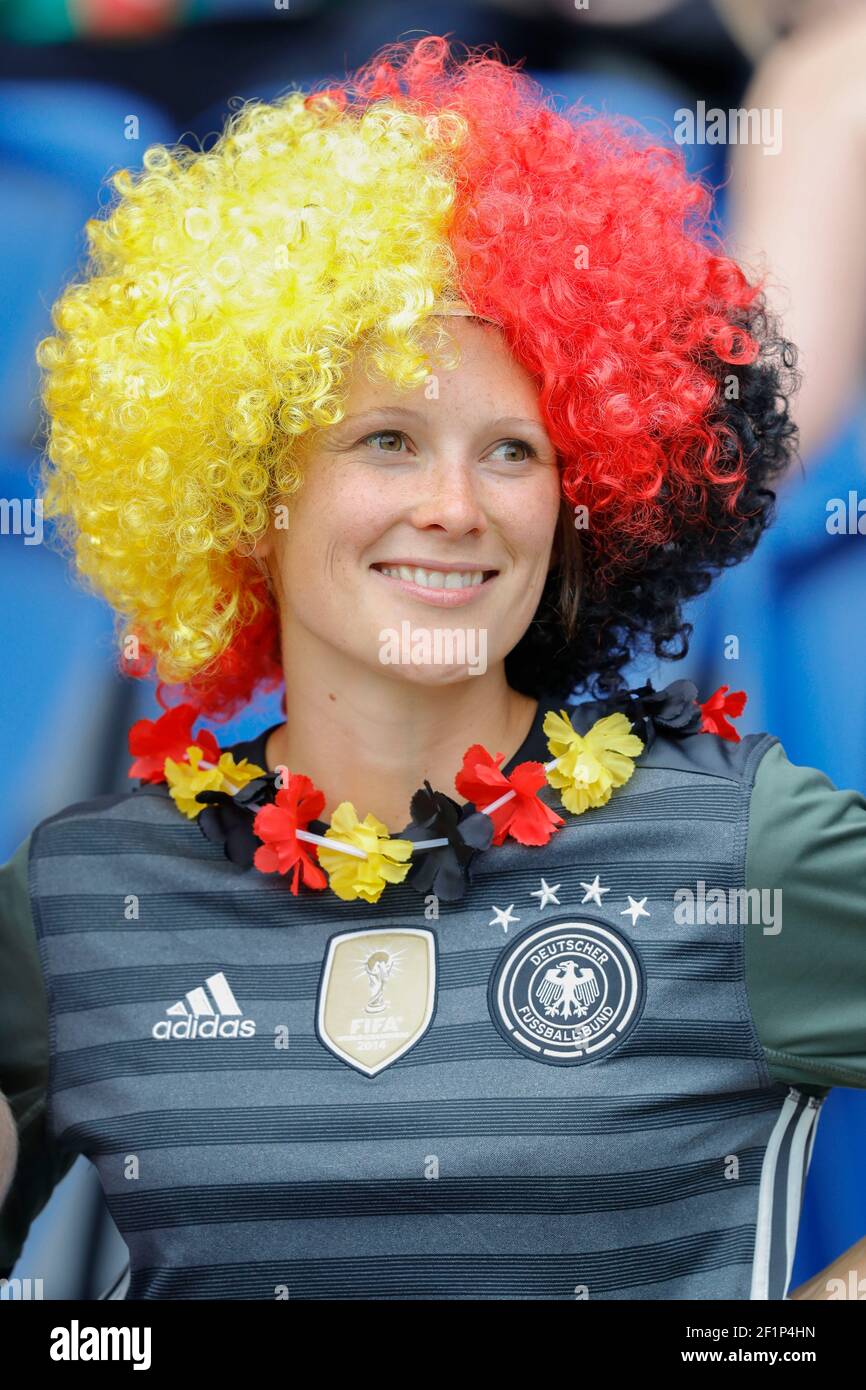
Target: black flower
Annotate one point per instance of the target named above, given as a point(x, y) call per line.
point(674, 709)
point(444, 871)
point(228, 820)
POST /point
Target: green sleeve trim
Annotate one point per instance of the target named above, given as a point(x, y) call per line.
point(787, 1067)
point(806, 979)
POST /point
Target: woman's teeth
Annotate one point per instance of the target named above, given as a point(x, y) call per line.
point(435, 579)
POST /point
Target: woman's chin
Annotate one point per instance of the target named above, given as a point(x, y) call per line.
point(436, 655)
point(433, 674)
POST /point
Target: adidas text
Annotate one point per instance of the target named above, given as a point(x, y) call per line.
point(204, 1028)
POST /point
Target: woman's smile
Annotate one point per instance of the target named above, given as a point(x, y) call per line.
point(440, 583)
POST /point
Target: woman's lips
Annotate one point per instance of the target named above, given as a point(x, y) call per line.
point(438, 598)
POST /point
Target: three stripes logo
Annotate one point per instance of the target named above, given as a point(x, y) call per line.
point(203, 1014)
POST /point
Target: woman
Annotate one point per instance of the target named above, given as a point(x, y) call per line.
point(438, 406)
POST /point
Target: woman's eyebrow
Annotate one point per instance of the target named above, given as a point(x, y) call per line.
point(376, 413)
point(520, 422)
point(342, 429)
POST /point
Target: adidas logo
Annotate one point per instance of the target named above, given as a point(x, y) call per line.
point(203, 1015)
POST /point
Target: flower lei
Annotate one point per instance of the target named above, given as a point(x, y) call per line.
point(261, 818)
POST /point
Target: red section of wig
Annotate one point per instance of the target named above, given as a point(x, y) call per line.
point(591, 246)
point(250, 663)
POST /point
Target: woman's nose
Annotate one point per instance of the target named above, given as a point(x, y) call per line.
point(448, 497)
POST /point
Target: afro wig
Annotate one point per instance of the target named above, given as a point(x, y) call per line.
point(228, 290)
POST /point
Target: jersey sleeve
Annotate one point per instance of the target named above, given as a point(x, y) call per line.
point(806, 970)
point(24, 1056)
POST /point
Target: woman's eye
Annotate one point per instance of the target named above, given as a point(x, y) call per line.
point(528, 451)
point(393, 435)
point(391, 441)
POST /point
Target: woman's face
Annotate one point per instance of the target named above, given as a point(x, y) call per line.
point(423, 512)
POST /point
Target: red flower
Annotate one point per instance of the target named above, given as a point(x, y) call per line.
point(151, 741)
point(525, 817)
point(296, 805)
point(717, 707)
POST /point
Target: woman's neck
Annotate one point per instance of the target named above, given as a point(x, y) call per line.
point(373, 739)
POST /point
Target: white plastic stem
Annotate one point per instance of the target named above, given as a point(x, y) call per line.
point(331, 844)
point(357, 853)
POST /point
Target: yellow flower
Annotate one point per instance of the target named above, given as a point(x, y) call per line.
point(590, 764)
point(388, 861)
point(186, 780)
point(238, 774)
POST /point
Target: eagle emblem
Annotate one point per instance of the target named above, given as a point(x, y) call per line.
point(567, 990)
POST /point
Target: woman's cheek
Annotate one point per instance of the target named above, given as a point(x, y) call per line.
point(528, 529)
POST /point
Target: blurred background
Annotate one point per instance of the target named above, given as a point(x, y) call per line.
point(73, 73)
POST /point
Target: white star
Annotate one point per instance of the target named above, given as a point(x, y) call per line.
point(594, 891)
point(545, 894)
point(634, 910)
point(503, 917)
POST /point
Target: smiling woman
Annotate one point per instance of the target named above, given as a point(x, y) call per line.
point(445, 513)
point(410, 351)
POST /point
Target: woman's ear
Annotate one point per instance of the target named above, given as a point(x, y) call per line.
point(261, 553)
point(263, 548)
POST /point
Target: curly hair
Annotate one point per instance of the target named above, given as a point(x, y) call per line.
point(229, 289)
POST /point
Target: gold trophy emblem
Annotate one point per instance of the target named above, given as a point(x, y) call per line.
point(378, 967)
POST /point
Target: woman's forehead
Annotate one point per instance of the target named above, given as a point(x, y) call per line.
point(485, 360)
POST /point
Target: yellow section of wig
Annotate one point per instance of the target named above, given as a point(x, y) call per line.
point(225, 295)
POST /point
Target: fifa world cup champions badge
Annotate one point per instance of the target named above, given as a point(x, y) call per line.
point(377, 995)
